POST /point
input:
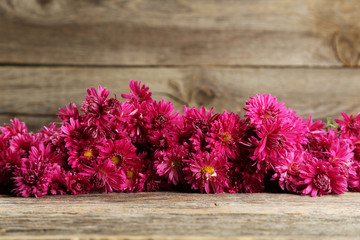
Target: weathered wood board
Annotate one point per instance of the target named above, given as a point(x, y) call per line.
point(166, 215)
point(34, 94)
point(205, 32)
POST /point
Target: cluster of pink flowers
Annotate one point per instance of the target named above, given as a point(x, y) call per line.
point(139, 144)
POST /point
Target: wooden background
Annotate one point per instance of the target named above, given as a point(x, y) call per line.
point(203, 52)
point(195, 52)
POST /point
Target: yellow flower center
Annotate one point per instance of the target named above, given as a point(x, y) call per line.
point(116, 159)
point(208, 169)
point(267, 116)
point(88, 153)
point(226, 137)
point(130, 175)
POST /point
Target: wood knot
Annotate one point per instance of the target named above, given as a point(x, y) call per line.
point(346, 46)
point(203, 95)
point(41, 12)
point(43, 3)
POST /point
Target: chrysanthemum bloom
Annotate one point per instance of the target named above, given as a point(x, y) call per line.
point(287, 171)
point(73, 133)
point(350, 127)
point(341, 154)
point(138, 93)
point(22, 143)
point(169, 164)
point(195, 119)
point(315, 132)
point(206, 172)
point(45, 154)
point(225, 134)
point(264, 107)
point(118, 151)
point(33, 178)
point(70, 112)
point(104, 176)
point(161, 115)
point(318, 177)
point(95, 108)
point(134, 178)
point(16, 127)
point(137, 124)
point(83, 154)
point(50, 134)
point(77, 183)
point(276, 139)
point(161, 139)
point(119, 116)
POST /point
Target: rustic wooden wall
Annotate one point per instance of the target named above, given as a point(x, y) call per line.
point(211, 52)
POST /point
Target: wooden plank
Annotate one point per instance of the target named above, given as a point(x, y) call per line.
point(167, 215)
point(38, 93)
point(204, 32)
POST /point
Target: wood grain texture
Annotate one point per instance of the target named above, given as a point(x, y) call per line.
point(180, 32)
point(36, 93)
point(167, 215)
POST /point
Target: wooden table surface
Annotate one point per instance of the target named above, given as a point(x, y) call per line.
point(168, 215)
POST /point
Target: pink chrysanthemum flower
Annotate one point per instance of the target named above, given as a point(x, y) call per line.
point(161, 115)
point(23, 143)
point(264, 107)
point(207, 172)
point(275, 139)
point(45, 154)
point(138, 93)
point(73, 133)
point(70, 112)
point(287, 172)
point(225, 134)
point(95, 108)
point(195, 119)
point(318, 177)
point(169, 164)
point(137, 124)
point(350, 127)
point(77, 183)
point(315, 132)
point(134, 178)
point(341, 154)
point(50, 134)
point(16, 127)
point(119, 116)
point(118, 151)
point(104, 176)
point(83, 154)
point(33, 178)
